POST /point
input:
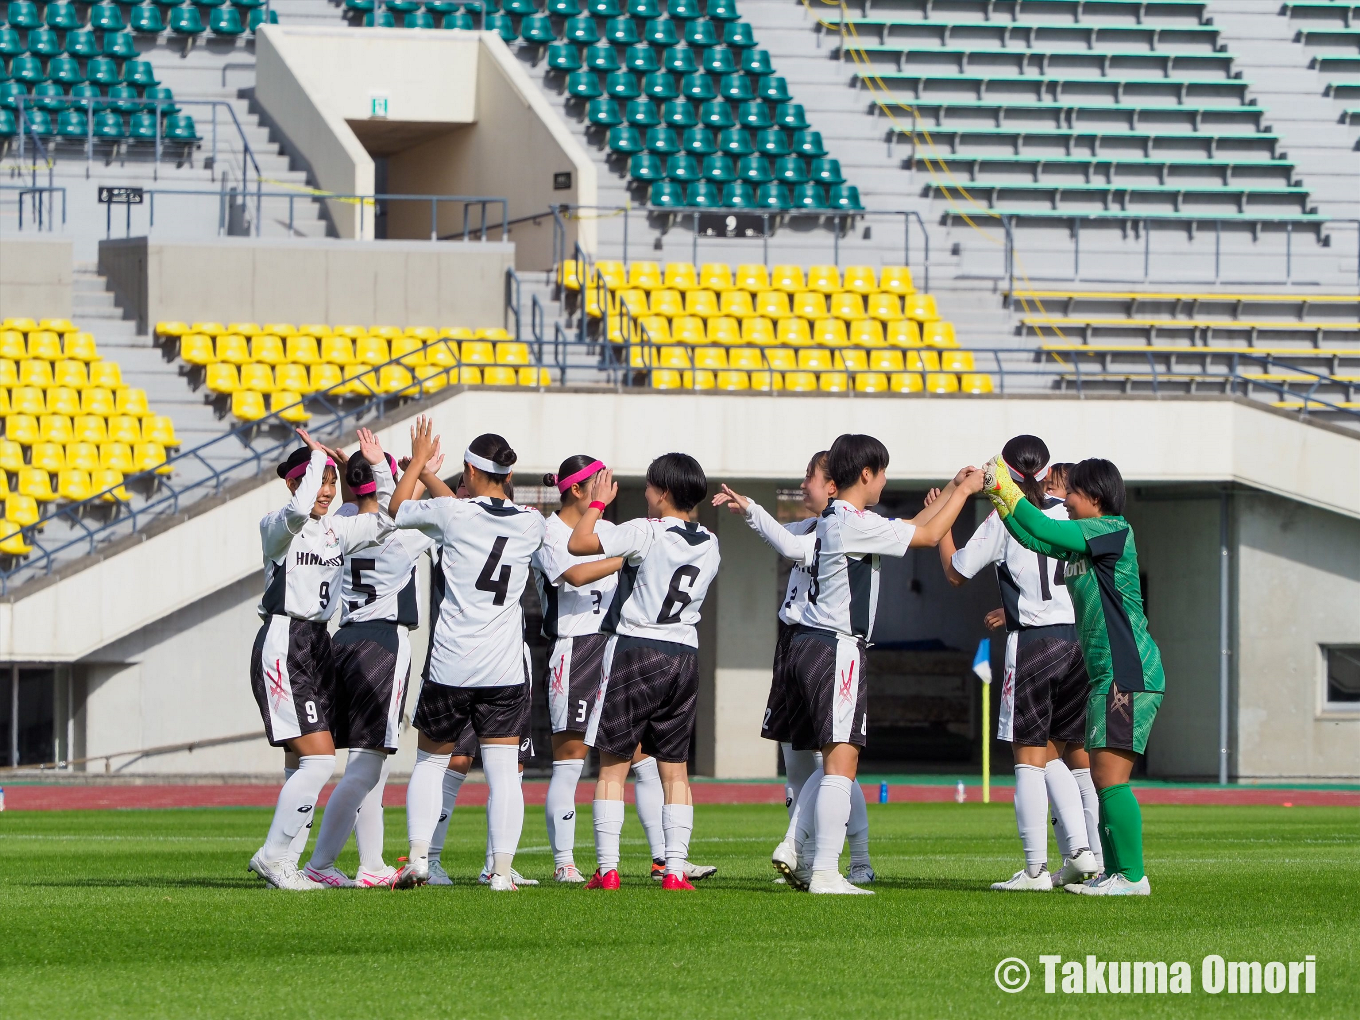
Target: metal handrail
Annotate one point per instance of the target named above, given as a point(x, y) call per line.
point(36, 192)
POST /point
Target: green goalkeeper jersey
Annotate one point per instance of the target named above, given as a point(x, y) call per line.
point(1102, 579)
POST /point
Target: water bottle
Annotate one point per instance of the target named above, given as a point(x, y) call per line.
point(883, 792)
point(2, 798)
point(960, 795)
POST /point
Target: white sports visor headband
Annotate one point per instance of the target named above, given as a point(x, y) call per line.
point(482, 464)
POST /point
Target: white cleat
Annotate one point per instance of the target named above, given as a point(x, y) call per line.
point(785, 861)
point(380, 878)
point(1021, 881)
point(833, 883)
point(504, 883)
point(282, 874)
point(699, 872)
point(438, 876)
point(1114, 885)
point(1076, 870)
point(862, 874)
point(485, 878)
point(416, 872)
point(332, 877)
point(568, 873)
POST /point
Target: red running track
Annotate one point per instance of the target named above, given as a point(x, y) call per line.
point(69, 798)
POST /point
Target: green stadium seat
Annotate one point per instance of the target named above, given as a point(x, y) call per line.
point(826, 171)
point(139, 73)
point(739, 34)
point(10, 45)
point(755, 116)
point(186, 21)
point(684, 10)
point(679, 113)
point(260, 16)
point(373, 19)
point(582, 31)
point(105, 17)
point(735, 142)
point(583, 85)
point(626, 139)
point(163, 98)
point(736, 88)
point(773, 196)
point(9, 124)
point(790, 170)
point(559, 8)
point(603, 8)
point(462, 21)
point(601, 57)
point(102, 71)
point(621, 85)
point(772, 142)
point(227, 21)
point(395, 6)
point(23, 14)
point(251, 5)
point(697, 88)
point(127, 98)
point(180, 128)
point(703, 195)
point(699, 141)
point(844, 196)
point(738, 195)
point(644, 9)
point(773, 89)
point(142, 127)
point(808, 196)
point(62, 16)
point(662, 140)
point(83, 44)
point(604, 112)
point(621, 31)
point(120, 46)
point(85, 92)
point(71, 124)
point(684, 168)
point(667, 195)
point(719, 168)
point(757, 63)
point(641, 59)
point(8, 90)
point(357, 6)
point(44, 42)
point(641, 113)
point(701, 33)
point(791, 117)
point(720, 61)
point(502, 24)
point(661, 33)
point(523, 8)
point(145, 20)
point(680, 60)
point(659, 86)
point(561, 56)
point(538, 30)
point(65, 70)
point(646, 167)
point(418, 19)
point(722, 10)
point(108, 125)
point(754, 170)
point(208, 4)
point(808, 143)
point(716, 115)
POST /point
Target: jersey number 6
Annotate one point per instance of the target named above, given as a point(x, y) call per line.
point(500, 583)
point(676, 597)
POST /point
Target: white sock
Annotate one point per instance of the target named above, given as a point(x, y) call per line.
point(363, 769)
point(805, 813)
point(1031, 816)
point(608, 828)
point(297, 801)
point(453, 782)
point(798, 765)
point(368, 825)
point(1065, 796)
point(678, 822)
point(833, 813)
point(423, 800)
point(299, 843)
point(650, 797)
point(504, 803)
point(559, 810)
point(857, 829)
point(1090, 803)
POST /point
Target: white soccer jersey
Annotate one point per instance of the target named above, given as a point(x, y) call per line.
point(568, 611)
point(797, 542)
point(668, 566)
point(303, 556)
point(1033, 592)
point(379, 581)
point(485, 548)
point(843, 595)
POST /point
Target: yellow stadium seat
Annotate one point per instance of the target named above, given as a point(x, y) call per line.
point(267, 348)
point(698, 380)
point(57, 325)
point(279, 329)
point(4, 402)
point(567, 275)
point(613, 274)
point(885, 307)
point(592, 303)
point(73, 484)
point(246, 405)
point(794, 332)
point(292, 378)
point(470, 375)
point(124, 428)
point(871, 382)
point(847, 305)
point(773, 304)
point(410, 350)
point(27, 400)
point(21, 510)
point(666, 302)
point(246, 329)
point(709, 357)
point(642, 355)
point(213, 329)
point(458, 333)
point(939, 334)
point(673, 357)
point(886, 361)
point(758, 330)
point(789, 279)
point(615, 329)
point(172, 328)
point(745, 358)
point(396, 379)
point(12, 541)
point(44, 344)
point(800, 382)
point(808, 304)
point(906, 382)
point(257, 377)
point(370, 350)
point(478, 352)
point(732, 381)
point(736, 303)
point(781, 359)
point(97, 400)
point(753, 278)
point(63, 400)
point(903, 333)
point(22, 428)
point(681, 276)
point(688, 329)
point(816, 359)
point(160, 428)
point(715, 276)
point(12, 345)
point(644, 275)
point(860, 279)
point(512, 352)
point(703, 303)
point(233, 349)
point(72, 374)
point(829, 333)
point(109, 482)
point(388, 333)
point(824, 279)
point(324, 377)
point(151, 457)
point(48, 456)
point(501, 333)
point(921, 307)
point(105, 374)
point(359, 381)
point(896, 280)
point(867, 333)
point(9, 373)
point(442, 354)
point(855, 360)
point(287, 404)
point(302, 349)
point(337, 350)
point(665, 379)
point(82, 456)
point(633, 299)
point(975, 382)
point(36, 482)
point(132, 400)
point(88, 428)
point(11, 455)
point(833, 382)
point(35, 373)
point(23, 325)
point(922, 361)
point(425, 334)
point(79, 347)
point(767, 381)
point(54, 428)
point(723, 330)
point(942, 382)
point(656, 329)
point(432, 378)
point(499, 375)
point(956, 361)
point(353, 332)
point(531, 376)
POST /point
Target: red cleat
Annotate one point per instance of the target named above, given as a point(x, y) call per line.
point(676, 882)
point(609, 880)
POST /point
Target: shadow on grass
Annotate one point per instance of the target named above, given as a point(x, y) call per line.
point(149, 882)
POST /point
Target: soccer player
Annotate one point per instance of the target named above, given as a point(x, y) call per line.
point(1122, 660)
point(477, 669)
point(1043, 695)
point(649, 689)
point(378, 607)
point(826, 656)
point(786, 719)
point(292, 671)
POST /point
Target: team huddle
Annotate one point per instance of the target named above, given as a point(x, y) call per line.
point(621, 607)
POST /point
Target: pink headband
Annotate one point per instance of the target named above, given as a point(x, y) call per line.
point(301, 469)
point(565, 484)
point(366, 488)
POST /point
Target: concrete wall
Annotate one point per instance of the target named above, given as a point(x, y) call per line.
point(451, 283)
point(35, 277)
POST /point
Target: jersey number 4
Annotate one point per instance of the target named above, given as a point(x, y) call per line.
point(676, 597)
point(499, 584)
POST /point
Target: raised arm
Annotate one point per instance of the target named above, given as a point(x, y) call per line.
point(946, 509)
point(1038, 532)
point(424, 448)
point(278, 528)
point(583, 540)
point(586, 573)
point(791, 546)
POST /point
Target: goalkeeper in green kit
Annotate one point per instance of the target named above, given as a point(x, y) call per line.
point(1122, 660)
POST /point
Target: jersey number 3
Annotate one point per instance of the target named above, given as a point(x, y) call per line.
point(676, 597)
point(500, 583)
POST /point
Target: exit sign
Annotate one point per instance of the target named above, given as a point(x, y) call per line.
point(377, 106)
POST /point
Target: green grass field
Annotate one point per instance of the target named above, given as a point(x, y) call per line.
point(152, 913)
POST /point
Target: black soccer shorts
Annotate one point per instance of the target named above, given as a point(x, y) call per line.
point(649, 695)
point(372, 668)
point(292, 674)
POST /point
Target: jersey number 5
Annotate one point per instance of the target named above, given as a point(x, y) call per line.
point(500, 583)
point(356, 581)
point(676, 597)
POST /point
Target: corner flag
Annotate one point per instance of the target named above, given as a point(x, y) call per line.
point(982, 666)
